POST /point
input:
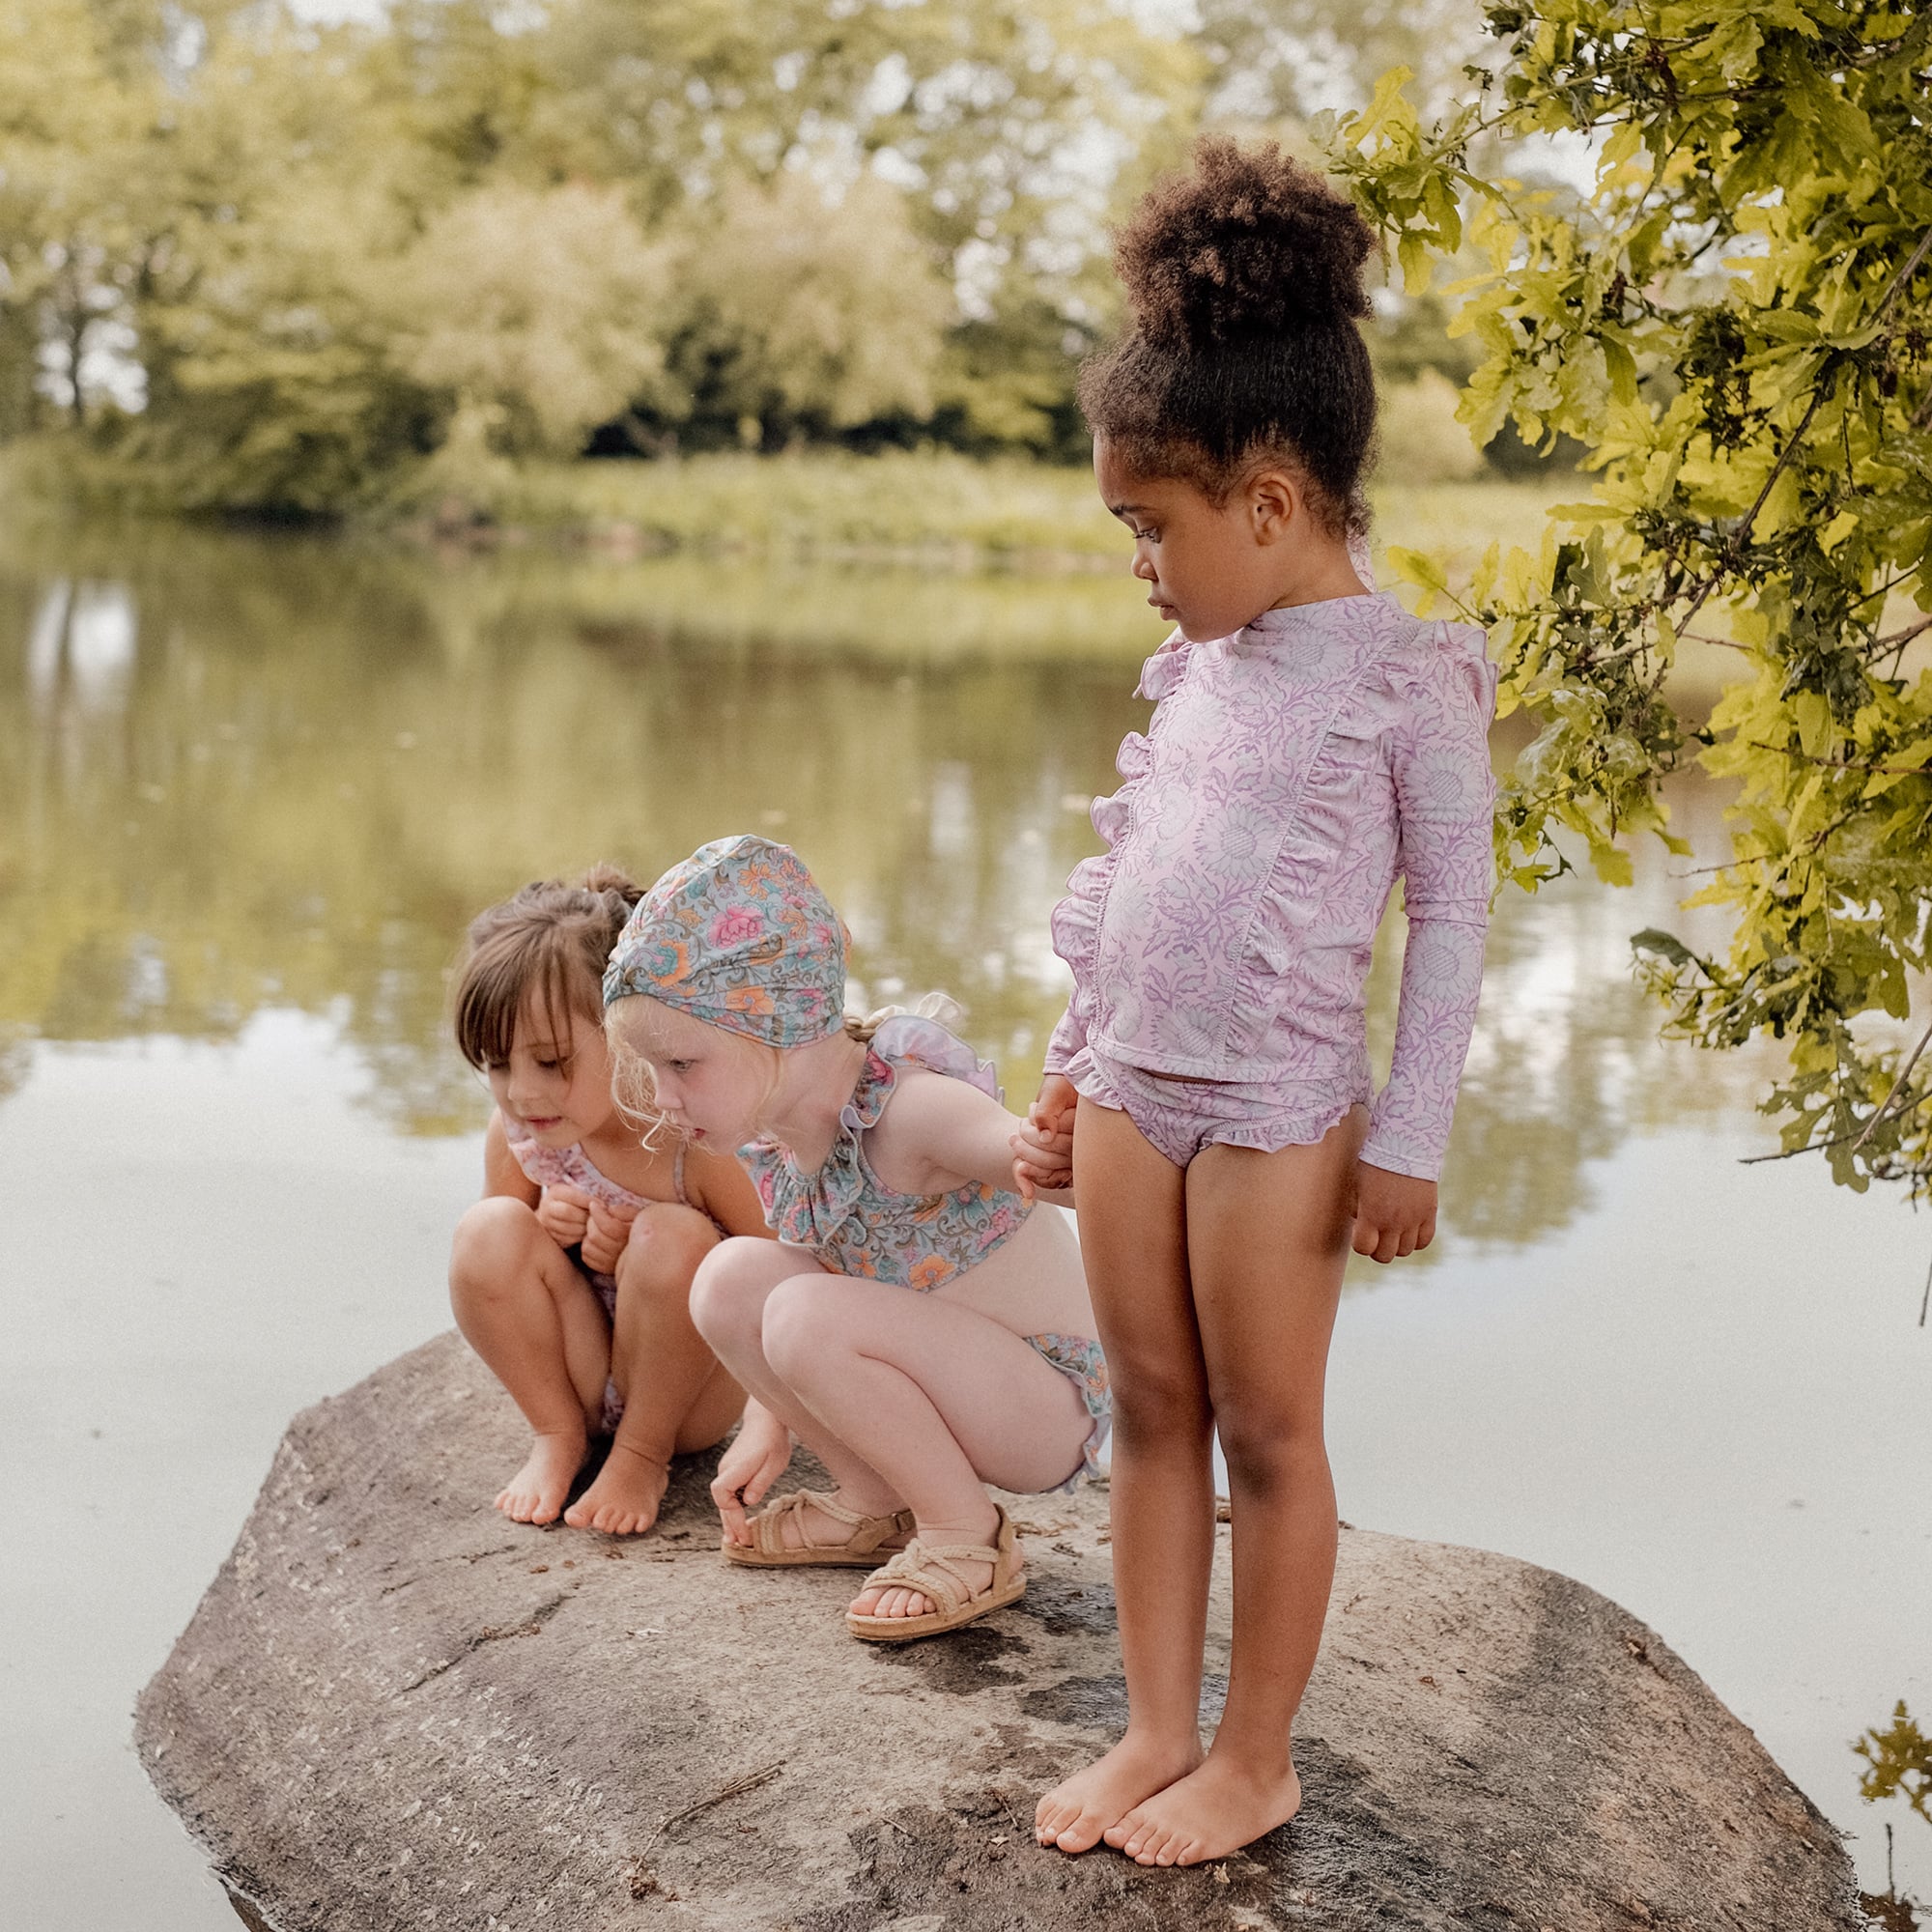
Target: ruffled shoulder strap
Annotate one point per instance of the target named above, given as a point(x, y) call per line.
point(1164, 669)
point(911, 1040)
point(814, 1209)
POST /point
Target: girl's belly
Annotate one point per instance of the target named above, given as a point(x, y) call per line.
point(1033, 1284)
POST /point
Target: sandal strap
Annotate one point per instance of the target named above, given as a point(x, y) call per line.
point(925, 1567)
point(771, 1541)
point(827, 1503)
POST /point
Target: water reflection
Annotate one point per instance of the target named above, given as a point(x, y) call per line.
point(254, 771)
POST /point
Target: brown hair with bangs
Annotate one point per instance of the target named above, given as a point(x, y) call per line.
point(542, 949)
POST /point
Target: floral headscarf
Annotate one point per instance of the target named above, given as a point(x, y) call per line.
point(738, 936)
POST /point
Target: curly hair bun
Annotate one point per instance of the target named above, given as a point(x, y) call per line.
point(1249, 244)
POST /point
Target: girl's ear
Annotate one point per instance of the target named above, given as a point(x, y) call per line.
point(1274, 497)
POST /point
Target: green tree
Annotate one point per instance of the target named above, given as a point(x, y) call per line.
point(796, 312)
point(75, 114)
point(540, 309)
point(1734, 322)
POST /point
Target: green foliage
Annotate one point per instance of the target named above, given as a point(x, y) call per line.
point(796, 312)
point(1900, 1761)
point(335, 255)
point(1734, 322)
point(533, 306)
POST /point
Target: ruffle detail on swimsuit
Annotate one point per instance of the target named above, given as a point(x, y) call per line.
point(843, 1212)
point(1075, 924)
point(912, 1039)
point(1163, 670)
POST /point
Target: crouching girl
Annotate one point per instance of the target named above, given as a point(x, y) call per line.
point(920, 1324)
point(572, 1276)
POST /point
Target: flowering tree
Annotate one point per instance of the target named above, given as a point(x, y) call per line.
point(1734, 322)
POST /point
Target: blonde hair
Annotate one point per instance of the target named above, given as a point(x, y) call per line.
point(636, 1095)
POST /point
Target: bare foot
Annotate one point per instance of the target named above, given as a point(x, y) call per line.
point(535, 1494)
point(1075, 1814)
point(1211, 1812)
point(623, 1498)
point(894, 1601)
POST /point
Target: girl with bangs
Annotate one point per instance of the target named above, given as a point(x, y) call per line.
point(571, 1277)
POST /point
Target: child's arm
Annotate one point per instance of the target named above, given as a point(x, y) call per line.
point(718, 1185)
point(1444, 801)
point(501, 1173)
point(940, 1133)
point(563, 1213)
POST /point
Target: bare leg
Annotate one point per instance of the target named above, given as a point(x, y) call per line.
point(524, 1307)
point(937, 1398)
point(728, 1304)
point(907, 1400)
point(1134, 1241)
point(1267, 1240)
point(677, 1397)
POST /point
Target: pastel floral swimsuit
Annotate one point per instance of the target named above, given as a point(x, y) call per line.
point(855, 1225)
point(572, 1167)
point(1289, 774)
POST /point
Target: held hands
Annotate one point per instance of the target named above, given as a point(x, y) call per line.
point(1395, 1214)
point(759, 1456)
point(1044, 1149)
point(563, 1213)
point(604, 1237)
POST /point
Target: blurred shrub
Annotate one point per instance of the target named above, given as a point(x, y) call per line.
point(543, 308)
point(1421, 440)
point(796, 311)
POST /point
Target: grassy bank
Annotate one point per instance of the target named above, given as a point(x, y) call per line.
point(923, 506)
point(825, 550)
point(932, 508)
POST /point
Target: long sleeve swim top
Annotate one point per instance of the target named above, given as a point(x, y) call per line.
point(1289, 774)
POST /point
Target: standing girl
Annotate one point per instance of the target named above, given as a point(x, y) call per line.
point(1209, 1083)
point(919, 1325)
point(572, 1276)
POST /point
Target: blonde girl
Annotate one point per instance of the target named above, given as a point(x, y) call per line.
point(1209, 1083)
point(920, 1325)
point(572, 1276)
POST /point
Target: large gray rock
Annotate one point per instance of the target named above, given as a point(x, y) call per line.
point(394, 1709)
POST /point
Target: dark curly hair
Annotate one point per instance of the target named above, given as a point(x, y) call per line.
point(547, 941)
point(1245, 282)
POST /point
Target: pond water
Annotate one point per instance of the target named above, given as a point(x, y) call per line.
point(255, 787)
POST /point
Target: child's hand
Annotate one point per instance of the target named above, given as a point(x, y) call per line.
point(760, 1454)
point(604, 1239)
point(564, 1214)
point(1042, 1160)
point(1044, 1149)
point(1395, 1214)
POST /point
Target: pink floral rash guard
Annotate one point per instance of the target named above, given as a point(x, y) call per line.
point(1289, 774)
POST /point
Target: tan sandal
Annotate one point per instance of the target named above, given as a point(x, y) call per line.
point(871, 1535)
point(928, 1569)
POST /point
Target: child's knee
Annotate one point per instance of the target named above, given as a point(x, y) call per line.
point(1274, 1452)
point(493, 1241)
point(800, 1319)
point(729, 1286)
point(1156, 1401)
point(662, 1256)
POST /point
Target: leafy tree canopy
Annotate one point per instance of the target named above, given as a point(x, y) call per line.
point(1734, 324)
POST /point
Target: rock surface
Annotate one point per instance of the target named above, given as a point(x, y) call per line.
point(395, 1710)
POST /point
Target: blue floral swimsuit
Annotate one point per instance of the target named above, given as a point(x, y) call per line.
point(855, 1225)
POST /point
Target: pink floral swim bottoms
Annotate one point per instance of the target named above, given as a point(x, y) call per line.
point(1178, 1118)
